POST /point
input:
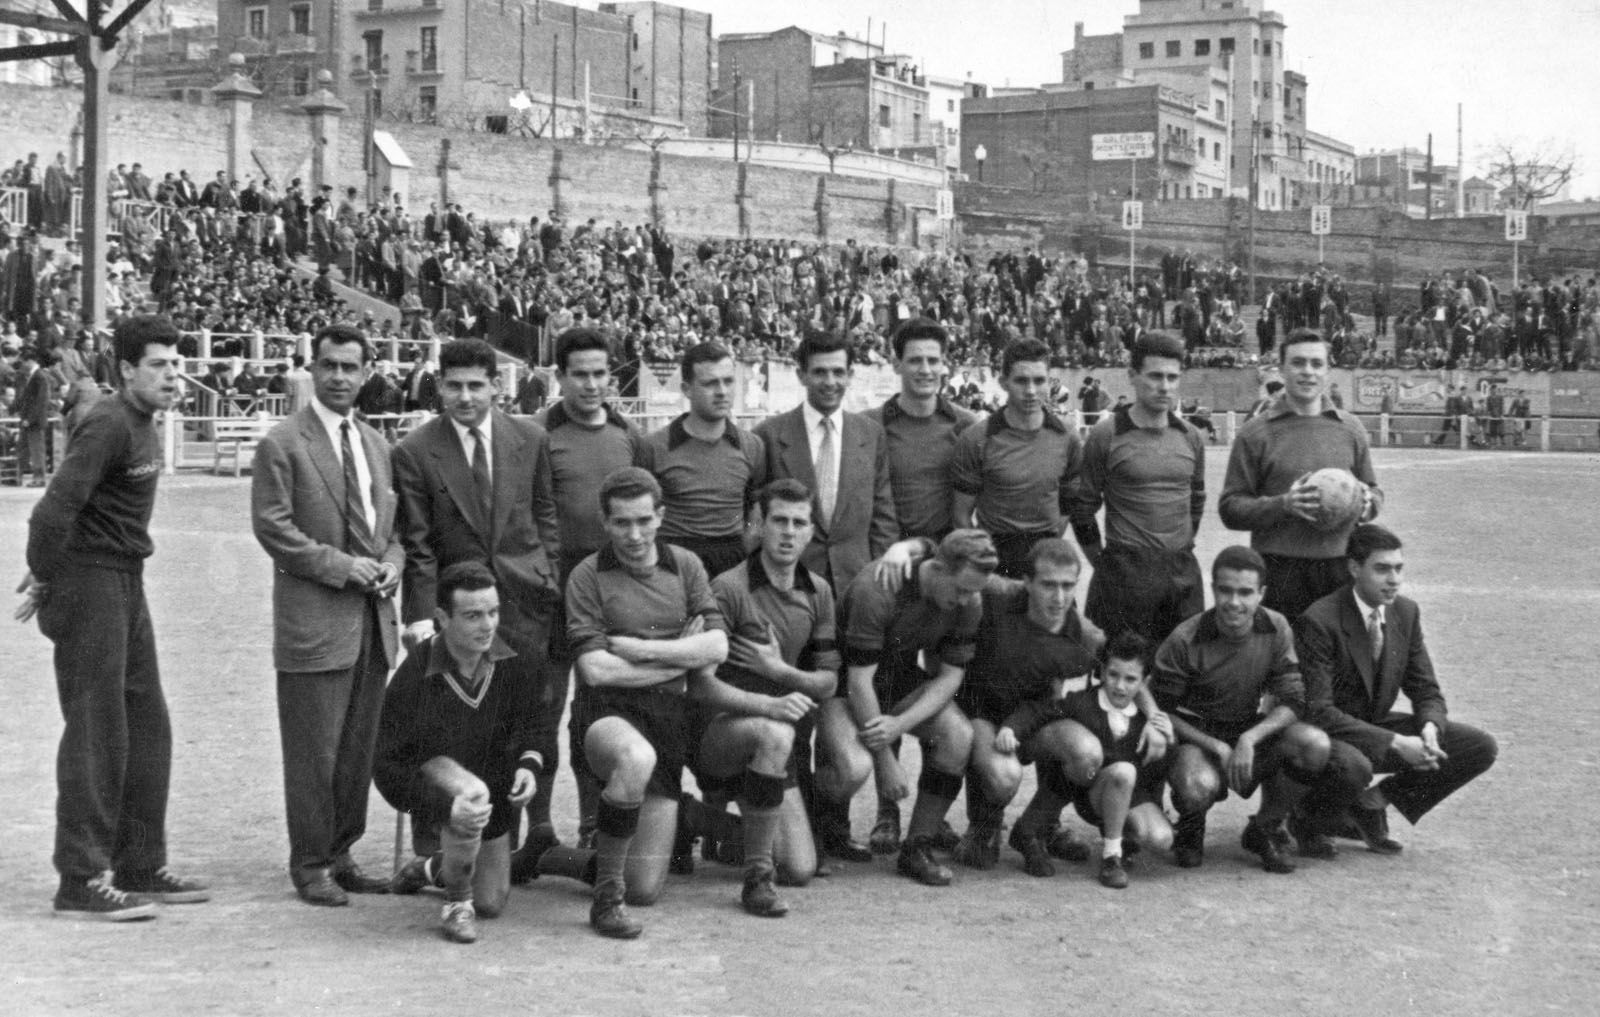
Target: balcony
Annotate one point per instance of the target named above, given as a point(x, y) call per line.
point(387, 9)
point(360, 66)
point(422, 65)
point(1177, 155)
point(294, 42)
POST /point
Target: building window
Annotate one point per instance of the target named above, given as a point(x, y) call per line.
point(916, 128)
point(374, 47)
point(1202, 47)
point(300, 19)
point(636, 42)
point(883, 116)
point(428, 48)
point(302, 81)
point(949, 105)
point(1222, 110)
point(1088, 86)
point(1255, 46)
point(428, 103)
point(1174, 48)
point(255, 22)
point(374, 5)
point(1147, 51)
point(1216, 150)
point(1225, 44)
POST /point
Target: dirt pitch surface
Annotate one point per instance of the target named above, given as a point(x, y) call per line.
point(1492, 909)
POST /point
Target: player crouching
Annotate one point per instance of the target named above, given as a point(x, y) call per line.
point(1094, 749)
point(456, 750)
point(782, 662)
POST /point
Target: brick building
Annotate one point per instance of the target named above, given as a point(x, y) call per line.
point(1230, 56)
point(801, 86)
point(462, 61)
point(1043, 141)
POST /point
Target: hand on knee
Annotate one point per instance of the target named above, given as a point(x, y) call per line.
point(470, 811)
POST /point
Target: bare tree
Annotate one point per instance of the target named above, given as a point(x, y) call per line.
point(1528, 174)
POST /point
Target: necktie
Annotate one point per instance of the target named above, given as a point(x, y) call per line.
point(358, 534)
point(827, 482)
point(1375, 634)
point(480, 474)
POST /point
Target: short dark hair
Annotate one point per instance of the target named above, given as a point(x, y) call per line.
point(970, 548)
point(628, 482)
point(787, 490)
point(135, 333)
point(1156, 344)
point(919, 328)
point(579, 340)
point(1240, 559)
point(817, 341)
point(341, 335)
point(463, 575)
point(703, 353)
point(469, 353)
point(1023, 351)
point(1050, 551)
point(1128, 645)
point(1369, 538)
point(1300, 335)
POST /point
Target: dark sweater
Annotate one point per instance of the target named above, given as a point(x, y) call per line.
point(424, 717)
point(97, 507)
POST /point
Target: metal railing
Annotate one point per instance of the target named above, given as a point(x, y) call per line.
point(14, 205)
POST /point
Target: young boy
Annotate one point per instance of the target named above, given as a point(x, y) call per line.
point(1101, 773)
point(457, 750)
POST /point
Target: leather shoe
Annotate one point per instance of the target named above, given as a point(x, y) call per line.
point(838, 844)
point(1373, 827)
point(916, 860)
point(1259, 841)
point(321, 890)
point(1312, 843)
point(352, 880)
point(1035, 859)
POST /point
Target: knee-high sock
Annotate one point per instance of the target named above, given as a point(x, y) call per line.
point(460, 859)
point(936, 792)
point(573, 863)
point(1052, 795)
point(614, 828)
point(758, 804)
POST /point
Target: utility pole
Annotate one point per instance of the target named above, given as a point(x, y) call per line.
point(1428, 193)
point(1461, 170)
point(1255, 127)
point(736, 83)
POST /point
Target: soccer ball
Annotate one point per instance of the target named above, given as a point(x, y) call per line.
point(1343, 498)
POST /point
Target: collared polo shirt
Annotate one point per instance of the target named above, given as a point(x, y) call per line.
point(1219, 680)
point(1152, 481)
point(707, 486)
point(802, 617)
point(605, 598)
point(1270, 454)
point(581, 457)
point(1021, 479)
point(920, 452)
point(1016, 660)
point(892, 629)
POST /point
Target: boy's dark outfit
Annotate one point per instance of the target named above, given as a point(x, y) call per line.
point(88, 538)
point(1085, 707)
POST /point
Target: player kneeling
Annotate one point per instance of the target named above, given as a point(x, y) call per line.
point(782, 662)
point(1095, 750)
point(456, 750)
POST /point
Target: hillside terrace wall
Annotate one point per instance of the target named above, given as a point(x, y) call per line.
point(498, 177)
point(1367, 244)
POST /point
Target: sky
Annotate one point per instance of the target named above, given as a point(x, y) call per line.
point(1382, 73)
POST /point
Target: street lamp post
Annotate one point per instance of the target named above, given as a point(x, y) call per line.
point(980, 153)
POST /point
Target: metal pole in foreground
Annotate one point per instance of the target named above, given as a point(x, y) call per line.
point(1133, 195)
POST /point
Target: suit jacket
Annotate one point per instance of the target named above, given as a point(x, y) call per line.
point(863, 524)
point(1346, 692)
point(297, 512)
point(442, 522)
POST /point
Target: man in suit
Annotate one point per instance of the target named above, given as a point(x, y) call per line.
point(323, 508)
point(474, 485)
point(1360, 647)
point(844, 459)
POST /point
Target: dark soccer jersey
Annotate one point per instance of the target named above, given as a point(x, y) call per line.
point(892, 629)
point(1016, 661)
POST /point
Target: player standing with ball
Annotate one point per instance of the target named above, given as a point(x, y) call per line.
point(1297, 522)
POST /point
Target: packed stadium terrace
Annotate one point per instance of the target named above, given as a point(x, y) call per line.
point(220, 257)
